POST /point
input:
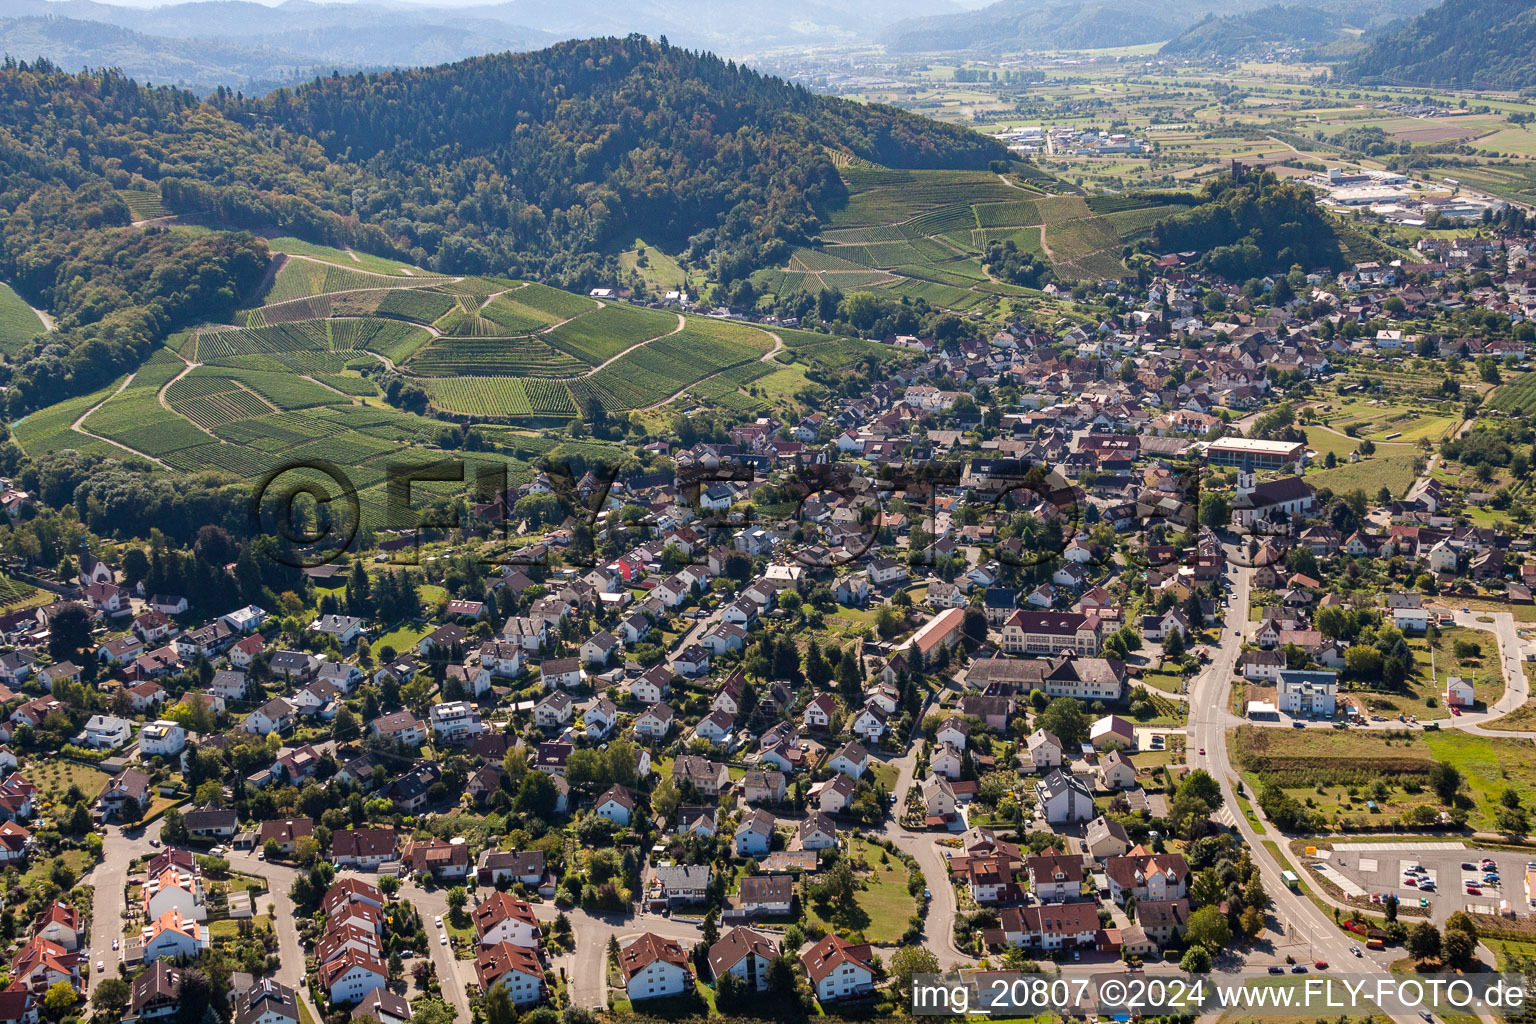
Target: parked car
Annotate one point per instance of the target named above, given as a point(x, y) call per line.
point(1276, 969)
point(1321, 965)
point(1299, 969)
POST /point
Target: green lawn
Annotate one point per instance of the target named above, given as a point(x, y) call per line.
point(659, 271)
point(1488, 766)
point(1393, 471)
point(402, 638)
point(884, 774)
point(883, 905)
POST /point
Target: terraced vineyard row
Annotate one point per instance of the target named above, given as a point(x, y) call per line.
point(509, 357)
point(415, 304)
point(514, 317)
point(502, 397)
point(602, 334)
point(299, 278)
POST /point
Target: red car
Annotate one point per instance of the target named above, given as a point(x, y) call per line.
point(1474, 890)
point(1321, 965)
point(1456, 711)
point(1202, 751)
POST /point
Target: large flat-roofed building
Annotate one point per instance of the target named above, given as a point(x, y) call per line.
point(1235, 451)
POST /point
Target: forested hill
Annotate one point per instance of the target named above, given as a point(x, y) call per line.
point(528, 165)
point(1470, 44)
point(555, 152)
point(1234, 34)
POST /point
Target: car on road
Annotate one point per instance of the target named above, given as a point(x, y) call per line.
point(1455, 711)
point(1355, 951)
point(1202, 751)
point(1276, 969)
point(1426, 1015)
point(1299, 969)
point(438, 921)
point(101, 966)
point(154, 842)
point(1467, 865)
point(927, 895)
point(114, 943)
point(443, 938)
point(1321, 965)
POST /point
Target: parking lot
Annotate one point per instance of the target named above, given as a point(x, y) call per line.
point(1439, 874)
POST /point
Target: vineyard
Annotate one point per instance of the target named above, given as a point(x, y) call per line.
point(921, 235)
point(1517, 397)
point(832, 352)
point(301, 278)
point(502, 397)
point(143, 205)
point(415, 304)
point(393, 339)
point(502, 357)
point(602, 334)
point(18, 324)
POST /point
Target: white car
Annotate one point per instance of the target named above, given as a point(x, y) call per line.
point(443, 938)
point(101, 965)
point(438, 921)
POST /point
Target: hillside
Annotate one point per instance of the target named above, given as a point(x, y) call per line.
point(526, 164)
point(1476, 44)
point(1235, 34)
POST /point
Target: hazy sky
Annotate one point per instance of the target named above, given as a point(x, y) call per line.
point(407, 3)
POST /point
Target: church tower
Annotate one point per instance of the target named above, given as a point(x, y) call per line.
point(1247, 479)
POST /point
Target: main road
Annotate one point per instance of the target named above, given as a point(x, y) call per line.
point(1298, 919)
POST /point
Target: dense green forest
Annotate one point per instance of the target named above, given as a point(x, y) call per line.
point(1466, 44)
point(529, 165)
point(1250, 226)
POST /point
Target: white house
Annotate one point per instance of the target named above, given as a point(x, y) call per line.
point(1062, 797)
point(162, 738)
point(839, 969)
point(105, 732)
point(1458, 693)
point(653, 967)
point(754, 836)
point(617, 805)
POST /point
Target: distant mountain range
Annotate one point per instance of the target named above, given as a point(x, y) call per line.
point(251, 45)
point(1476, 44)
point(1012, 26)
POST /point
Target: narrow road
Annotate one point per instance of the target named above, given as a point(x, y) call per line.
point(682, 322)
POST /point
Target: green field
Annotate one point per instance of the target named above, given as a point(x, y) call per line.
point(1393, 471)
point(18, 324)
point(1340, 760)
